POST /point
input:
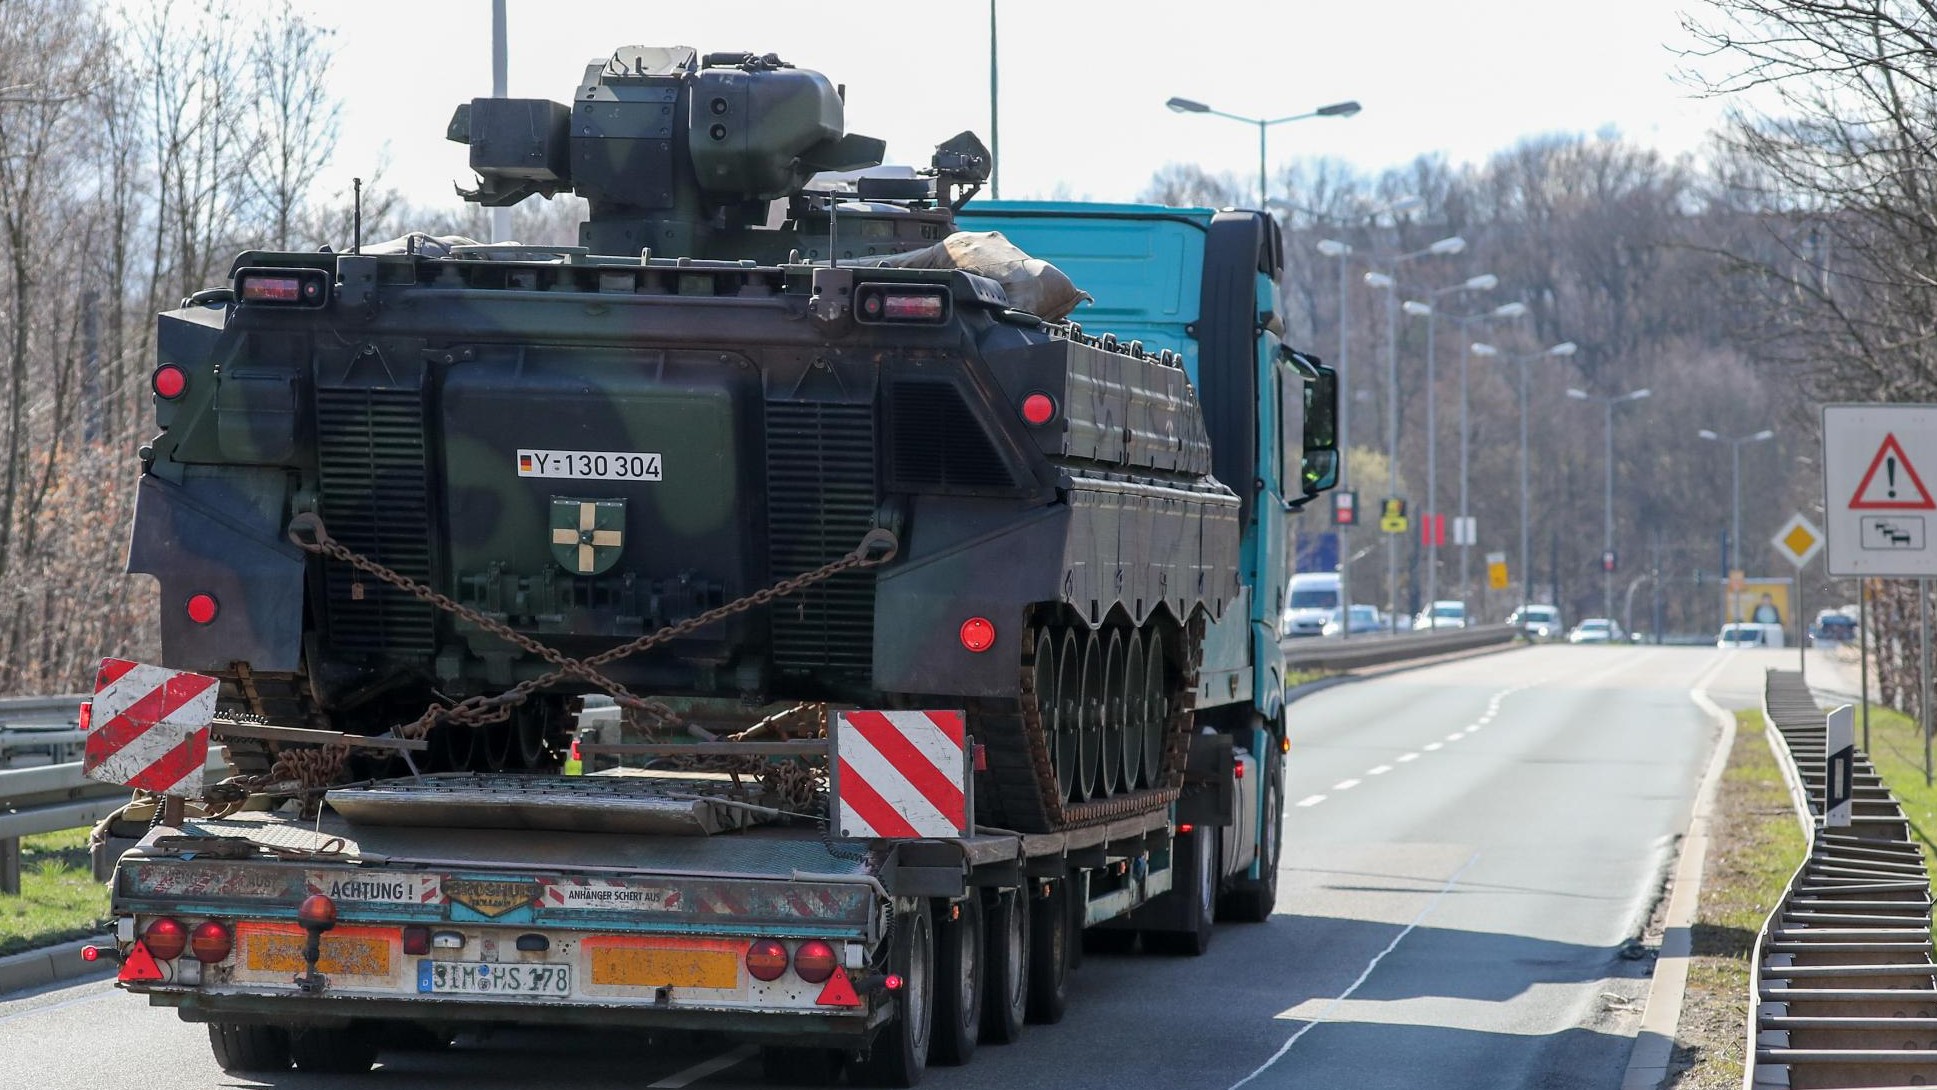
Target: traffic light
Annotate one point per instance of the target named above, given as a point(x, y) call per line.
point(1607, 561)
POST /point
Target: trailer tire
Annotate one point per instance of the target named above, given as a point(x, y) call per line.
point(791, 1065)
point(1198, 859)
point(1252, 900)
point(246, 1049)
point(1049, 942)
point(959, 977)
point(1005, 979)
point(346, 1051)
point(899, 1053)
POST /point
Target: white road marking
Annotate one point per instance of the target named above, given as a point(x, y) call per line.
point(1378, 770)
point(1345, 785)
point(1430, 746)
point(1319, 1019)
point(700, 1070)
point(1404, 757)
point(1311, 800)
point(1456, 736)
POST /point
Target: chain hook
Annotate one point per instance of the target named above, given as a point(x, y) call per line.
point(310, 523)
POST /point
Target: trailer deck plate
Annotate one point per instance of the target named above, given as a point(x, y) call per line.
point(346, 950)
point(681, 804)
point(646, 962)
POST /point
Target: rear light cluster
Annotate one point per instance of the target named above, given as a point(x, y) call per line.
point(308, 288)
point(169, 382)
point(209, 941)
point(919, 305)
point(813, 960)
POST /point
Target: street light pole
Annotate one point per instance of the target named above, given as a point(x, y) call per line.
point(1504, 310)
point(1735, 488)
point(1607, 510)
point(1565, 348)
point(1334, 248)
point(1430, 309)
point(1336, 109)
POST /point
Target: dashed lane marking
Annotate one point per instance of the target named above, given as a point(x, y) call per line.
point(1378, 770)
point(1311, 800)
point(1345, 785)
point(1404, 757)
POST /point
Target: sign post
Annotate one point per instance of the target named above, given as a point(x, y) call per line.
point(1799, 541)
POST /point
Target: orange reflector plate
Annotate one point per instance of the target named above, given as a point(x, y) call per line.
point(839, 991)
point(346, 951)
point(642, 961)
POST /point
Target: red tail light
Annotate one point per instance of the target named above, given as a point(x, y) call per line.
point(416, 940)
point(166, 938)
point(814, 961)
point(892, 982)
point(575, 754)
point(210, 942)
point(84, 722)
point(202, 608)
point(317, 911)
point(978, 634)
point(169, 382)
point(1039, 409)
point(766, 959)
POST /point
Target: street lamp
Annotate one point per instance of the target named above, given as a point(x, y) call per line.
point(1501, 312)
point(1607, 513)
point(1482, 282)
point(1735, 489)
point(1389, 283)
point(1336, 109)
point(1487, 351)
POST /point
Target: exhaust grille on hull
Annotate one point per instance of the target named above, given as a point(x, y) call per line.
point(820, 501)
point(936, 442)
point(375, 500)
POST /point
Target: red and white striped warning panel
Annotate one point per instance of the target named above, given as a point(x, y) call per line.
point(900, 774)
point(149, 727)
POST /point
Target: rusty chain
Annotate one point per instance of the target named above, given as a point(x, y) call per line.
point(307, 532)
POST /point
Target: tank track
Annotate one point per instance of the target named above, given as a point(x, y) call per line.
point(1023, 788)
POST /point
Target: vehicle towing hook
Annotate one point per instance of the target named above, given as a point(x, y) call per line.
point(306, 530)
point(878, 546)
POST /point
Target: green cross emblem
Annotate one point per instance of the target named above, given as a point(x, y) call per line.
point(587, 535)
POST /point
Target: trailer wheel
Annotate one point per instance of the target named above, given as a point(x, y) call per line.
point(900, 1050)
point(959, 975)
point(790, 1065)
point(347, 1051)
point(1005, 982)
point(244, 1049)
point(1197, 888)
point(1049, 940)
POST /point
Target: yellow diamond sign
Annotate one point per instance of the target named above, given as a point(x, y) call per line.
point(1798, 540)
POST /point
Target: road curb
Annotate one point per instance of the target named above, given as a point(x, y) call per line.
point(1654, 1042)
point(51, 965)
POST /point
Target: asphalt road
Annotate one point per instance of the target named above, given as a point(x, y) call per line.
point(1469, 848)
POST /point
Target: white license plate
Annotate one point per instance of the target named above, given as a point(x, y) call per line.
point(492, 978)
point(590, 465)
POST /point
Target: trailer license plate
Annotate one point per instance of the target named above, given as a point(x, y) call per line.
point(493, 978)
point(589, 465)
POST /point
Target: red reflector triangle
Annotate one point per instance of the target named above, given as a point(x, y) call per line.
point(139, 965)
point(839, 991)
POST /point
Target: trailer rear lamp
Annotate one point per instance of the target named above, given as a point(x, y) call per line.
point(880, 303)
point(202, 608)
point(448, 940)
point(978, 634)
point(1185, 828)
point(892, 982)
point(169, 382)
point(814, 961)
point(307, 288)
point(210, 942)
point(533, 943)
point(1237, 771)
point(1039, 408)
point(99, 953)
point(84, 719)
point(165, 938)
point(766, 959)
point(317, 912)
point(416, 940)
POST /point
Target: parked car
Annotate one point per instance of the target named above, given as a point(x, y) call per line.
point(1362, 619)
point(1749, 634)
point(1538, 622)
point(1831, 627)
point(1311, 601)
point(1441, 614)
point(1597, 630)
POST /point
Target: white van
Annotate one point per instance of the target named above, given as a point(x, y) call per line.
point(1747, 634)
point(1311, 600)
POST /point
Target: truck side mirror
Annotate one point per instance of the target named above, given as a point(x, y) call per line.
point(1320, 463)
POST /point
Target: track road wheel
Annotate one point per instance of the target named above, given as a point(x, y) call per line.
point(347, 1051)
point(959, 976)
point(899, 1053)
point(1089, 754)
point(1049, 939)
point(789, 1065)
point(1135, 711)
point(1197, 888)
point(1156, 712)
point(243, 1049)
point(1109, 775)
point(1252, 899)
point(1005, 981)
point(1069, 697)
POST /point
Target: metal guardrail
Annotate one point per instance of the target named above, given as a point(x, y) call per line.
point(1843, 990)
point(39, 730)
point(1322, 653)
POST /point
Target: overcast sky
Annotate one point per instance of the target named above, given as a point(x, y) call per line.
point(1083, 81)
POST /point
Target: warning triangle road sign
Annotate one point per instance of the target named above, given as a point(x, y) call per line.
point(1891, 483)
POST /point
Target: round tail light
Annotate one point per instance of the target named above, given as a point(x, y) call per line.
point(166, 938)
point(210, 942)
point(317, 911)
point(169, 381)
point(814, 961)
point(1038, 409)
point(766, 959)
point(978, 634)
point(202, 608)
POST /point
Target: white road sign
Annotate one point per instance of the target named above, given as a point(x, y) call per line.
point(1879, 468)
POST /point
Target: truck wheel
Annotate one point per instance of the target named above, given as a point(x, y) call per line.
point(1005, 983)
point(1049, 939)
point(958, 979)
point(1252, 900)
point(789, 1065)
point(242, 1049)
point(1197, 889)
point(900, 1050)
point(347, 1051)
